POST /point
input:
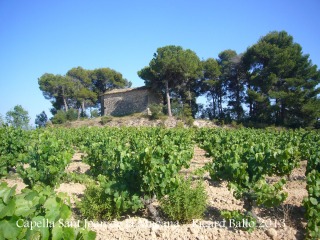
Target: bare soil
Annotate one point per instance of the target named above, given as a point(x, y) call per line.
point(284, 222)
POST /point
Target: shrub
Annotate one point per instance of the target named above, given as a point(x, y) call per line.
point(233, 124)
point(220, 122)
point(236, 219)
point(107, 201)
point(186, 115)
point(94, 113)
point(105, 119)
point(186, 202)
point(62, 116)
point(13, 148)
point(312, 205)
point(59, 118)
point(76, 177)
point(180, 124)
point(187, 112)
point(156, 111)
point(96, 204)
point(49, 124)
point(47, 156)
point(72, 114)
point(236, 125)
point(162, 124)
point(189, 121)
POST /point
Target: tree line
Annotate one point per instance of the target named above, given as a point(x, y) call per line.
point(18, 117)
point(77, 90)
point(272, 82)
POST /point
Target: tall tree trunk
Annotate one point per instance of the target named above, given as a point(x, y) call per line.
point(65, 104)
point(220, 105)
point(82, 106)
point(213, 105)
point(282, 112)
point(238, 103)
point(190, 98)
point(249, 101)
point(79, 111)
point(168, 98)
point(277, 112)
point(64, 99)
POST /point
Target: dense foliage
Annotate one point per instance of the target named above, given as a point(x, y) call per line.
point(171, 68)
point(311, 151)
point(36, 214)
point(312, 204)
point(13, 147)
point(79, 88)
point(47, 157)
point(107, 201)
point(131, 167)
point(272, 82)
point(282, 82)
point(185, 203)
point(41, 119)
point(146, 160)
point(245, 158)
point(18, 117)
point(136, 165)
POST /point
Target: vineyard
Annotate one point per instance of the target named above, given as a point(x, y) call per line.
point(150, 174)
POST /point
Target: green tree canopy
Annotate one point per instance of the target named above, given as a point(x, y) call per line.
point(57, 88)
point(1, 120)
point(107, 79)
point(82, 88)
point(233, 81)
point(282, 87)
point(79, 88)
point(172, 68)
point(41, 119)
point(18, 117)
point(212, 84)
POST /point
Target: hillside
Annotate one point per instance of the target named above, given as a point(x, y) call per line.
point(136, 121)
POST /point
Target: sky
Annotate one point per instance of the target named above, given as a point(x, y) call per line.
point(42, 36)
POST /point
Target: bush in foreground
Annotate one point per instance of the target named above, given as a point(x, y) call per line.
point(107, 201)
point(37, 213)
point(186, 202)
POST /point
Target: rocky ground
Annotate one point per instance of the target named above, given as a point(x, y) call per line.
point(284, 222)
point(136, 120)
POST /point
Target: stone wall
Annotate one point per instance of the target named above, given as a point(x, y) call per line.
point(127, 101)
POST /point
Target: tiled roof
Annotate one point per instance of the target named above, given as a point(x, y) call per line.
point(122, 90)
